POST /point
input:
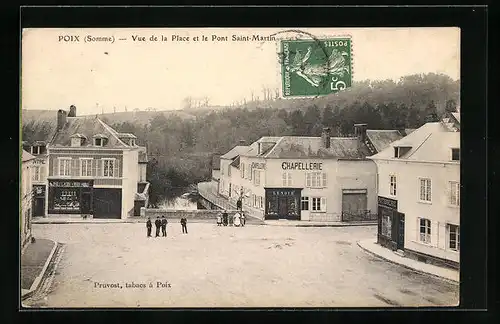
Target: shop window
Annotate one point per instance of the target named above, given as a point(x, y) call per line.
point(386, 222)
point(425, 189)
point(66, 200)
point(392, 185)
point(304, 203)
point(425, 230)
point(454, 193)
point(454, 237)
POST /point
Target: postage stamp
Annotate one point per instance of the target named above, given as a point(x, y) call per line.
point(316, 67)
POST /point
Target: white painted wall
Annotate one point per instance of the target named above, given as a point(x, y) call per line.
point(439, 211)
point(130, 176)
point(25, 190)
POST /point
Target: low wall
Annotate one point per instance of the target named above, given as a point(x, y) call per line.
point(188, 214)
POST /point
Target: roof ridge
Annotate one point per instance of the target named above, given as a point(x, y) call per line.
point(111, 130)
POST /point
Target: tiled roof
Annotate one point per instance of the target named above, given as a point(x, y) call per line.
point(381, 139)
point(89, 127)
point(234, 152)
point(27, 156)
point(311, 147)
point(431, 142)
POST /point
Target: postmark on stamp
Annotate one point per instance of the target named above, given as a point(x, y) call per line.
point(315, 67)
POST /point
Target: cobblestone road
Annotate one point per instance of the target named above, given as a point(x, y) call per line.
point(254, 266)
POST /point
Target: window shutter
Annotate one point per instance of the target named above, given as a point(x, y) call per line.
point(308, 180)
point(250, 173)
point(324, 179)
point(323, 204)
point(55, 167)
point(289, 179)
point(116, 173)
point(99, 168)
point(74, 168)
point(429, 190)
point(42, 172)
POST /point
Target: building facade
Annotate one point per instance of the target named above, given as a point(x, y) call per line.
point(419, 193)
point(303, 178)
point(89, 169)
point(26, 193)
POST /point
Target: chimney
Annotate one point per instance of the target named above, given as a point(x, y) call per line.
point(360, 131)
point(242, 142)
point(325, 137)
point(72, 111)
point(61, 119)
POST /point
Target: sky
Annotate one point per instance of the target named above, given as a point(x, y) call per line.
point(97, 76)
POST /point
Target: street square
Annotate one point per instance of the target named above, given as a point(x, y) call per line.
point(116, 265)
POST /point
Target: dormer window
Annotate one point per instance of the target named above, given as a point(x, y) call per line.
point(127, 138)
point(400, 151)
point(455, 154)
point(38, 148)
point(35, 150)
point(78, 140)
point(100, 140)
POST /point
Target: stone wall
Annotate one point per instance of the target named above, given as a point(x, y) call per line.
point(188, 214)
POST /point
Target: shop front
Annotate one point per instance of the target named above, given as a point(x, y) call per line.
point(282, 203)
point(38, 200)
point(391, 227)
point(70, 196)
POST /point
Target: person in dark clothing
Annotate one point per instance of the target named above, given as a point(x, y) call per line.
point(224, 218)
point(148, 226)
point(238, 204)
point(158, 225)
point(163, 226)
point(184, 225)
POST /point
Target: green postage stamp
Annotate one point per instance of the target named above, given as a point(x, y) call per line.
point(315, 67)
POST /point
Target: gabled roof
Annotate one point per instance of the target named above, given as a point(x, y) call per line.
point(27, 157)
point(431, 142)
point(381, 139)
point(234, 152)
point(89, 127)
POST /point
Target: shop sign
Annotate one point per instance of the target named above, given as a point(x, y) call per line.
point(39, 161)
point(39, 190)
point(258, 165)
point(71, 184)
point(388, 203)
point(281, 192)
point(303, 166)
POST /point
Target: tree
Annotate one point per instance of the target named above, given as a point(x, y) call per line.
point(451, 106)
point(431, 112)
point(328, 116)
point(187, 103)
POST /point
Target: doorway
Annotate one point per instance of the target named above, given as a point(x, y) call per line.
point(86, 198)
point(283, 207)
point(401, 231)
point(39, 208)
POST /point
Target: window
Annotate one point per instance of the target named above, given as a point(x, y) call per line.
point(304, 203)
point(242, 170)
point(64, 167)
point(287, 179)
point(256, 177)
point(399, 151)
point(425, 230)
point(86, 168)
point(455, 154)
point(35, 150)
point(316, 180)
point(98, 142)
point(425, 190)
point(393, 185)
point(261, 202)
point(454, 193)
point(454, 237)
point(36, 173)
point(229, 189)
point(229, 170)
point(108, 168)
point(318, 204)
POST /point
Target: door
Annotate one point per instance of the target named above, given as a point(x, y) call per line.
point(107, 203)
point(283, 207)
point(353, 206)
point(85, 203)
point(401, 231)
point(39, 209)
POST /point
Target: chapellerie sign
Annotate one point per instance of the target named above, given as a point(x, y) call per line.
point(304, 166)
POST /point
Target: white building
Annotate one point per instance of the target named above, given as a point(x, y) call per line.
point(304, 178)
point(419, 193)
point(26, 193)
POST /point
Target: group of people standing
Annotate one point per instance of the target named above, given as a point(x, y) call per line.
point(161, 224)
point(238, 219)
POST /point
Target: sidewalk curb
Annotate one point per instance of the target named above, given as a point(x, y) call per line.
point(324, 225)
point(406, 266)
point(38, 279)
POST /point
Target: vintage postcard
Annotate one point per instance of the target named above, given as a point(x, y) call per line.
point(240, 167)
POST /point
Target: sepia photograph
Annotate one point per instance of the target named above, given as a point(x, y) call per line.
point(240, 167)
